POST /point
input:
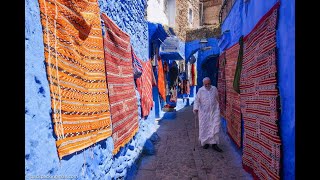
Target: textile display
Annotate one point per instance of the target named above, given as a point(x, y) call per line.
point(221, 85)
point(154, 81)
point(137, 65)
point(73, 49)
point(161, 80)
point(185, 87)
point(236, 80)
point(173, 94)
point(173, 74)
point(193, 74)
point(189, 73)
point(233, 114)
point(144, 85)
point(122, 95)
point(259, 98)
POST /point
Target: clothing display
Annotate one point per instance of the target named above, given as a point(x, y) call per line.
point(161, 80)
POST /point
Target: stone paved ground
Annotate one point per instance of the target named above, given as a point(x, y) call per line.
point(176, 158)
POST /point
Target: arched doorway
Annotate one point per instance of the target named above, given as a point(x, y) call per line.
point(208, 68)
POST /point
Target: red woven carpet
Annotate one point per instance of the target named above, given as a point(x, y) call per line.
point(73, 48)
point(259, 100)
point(144, 84)
point(122, 96)
point(221, 85)
point(233, 115)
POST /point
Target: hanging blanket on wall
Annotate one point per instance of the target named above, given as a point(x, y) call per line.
point(233, 115)
point(222, 85)
point(144, 85)
point(259, 99)
point(73, 48)
point(137, 65)
point(123, 100)
point(193, 74)
point(161, 80)
point(236, 80)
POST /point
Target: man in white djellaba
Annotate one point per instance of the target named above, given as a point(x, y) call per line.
point(206, 107)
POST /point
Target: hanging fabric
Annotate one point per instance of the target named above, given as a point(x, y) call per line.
point(221, 85)
point(232, 114)
point(259, 97)
point(144, 86)
point(73, 49)
point(122, 94)
point(161, 80)
point(137, 66)
point(236, 81)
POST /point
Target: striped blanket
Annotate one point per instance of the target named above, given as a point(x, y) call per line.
point(259, 99)
point(123, 100)
point(161, 80)
point(221, 84)
point(137, 65)
point(233, 115)
point(193, 74)
point(74, 58)
point(144, 85)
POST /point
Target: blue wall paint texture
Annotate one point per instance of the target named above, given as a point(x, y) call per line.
point(95, 162)
point(250, 13)
point(233, 23)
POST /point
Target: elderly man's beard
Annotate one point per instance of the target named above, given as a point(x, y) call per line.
point(208, 87)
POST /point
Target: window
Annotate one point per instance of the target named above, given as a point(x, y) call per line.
point(190, 16)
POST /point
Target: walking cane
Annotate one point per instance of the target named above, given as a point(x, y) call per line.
point(195, 133)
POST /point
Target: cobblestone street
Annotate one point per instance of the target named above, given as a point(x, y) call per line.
point(175, 157)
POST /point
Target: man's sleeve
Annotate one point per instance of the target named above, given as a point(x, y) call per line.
point(217, 98)
point(196, 101)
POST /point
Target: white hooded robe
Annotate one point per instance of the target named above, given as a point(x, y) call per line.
point(207, 104)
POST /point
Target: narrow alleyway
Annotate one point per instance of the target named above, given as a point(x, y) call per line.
point(175, 157)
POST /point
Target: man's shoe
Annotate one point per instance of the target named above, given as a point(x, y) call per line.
point(215, 147)
point(206, 146)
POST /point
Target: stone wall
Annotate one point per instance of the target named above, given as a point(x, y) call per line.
point(211, 9)
point(203, 32)
point(182, 10)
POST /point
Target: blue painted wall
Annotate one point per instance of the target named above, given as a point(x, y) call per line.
point(250, 13)
point(95, 162)
point(233, 23)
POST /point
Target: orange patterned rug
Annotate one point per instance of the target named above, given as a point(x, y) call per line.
point(122, 95)
point(161, 80)
point(74, 57)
